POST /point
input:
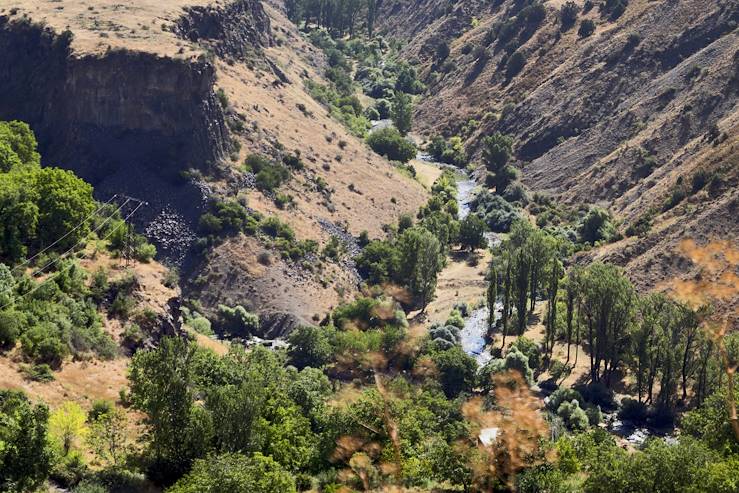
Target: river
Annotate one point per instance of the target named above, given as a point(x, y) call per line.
point(475, 326)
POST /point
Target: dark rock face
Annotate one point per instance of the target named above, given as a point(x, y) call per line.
point(234, 30)
point(277, 325)
point(100, 113)
point(167, 324)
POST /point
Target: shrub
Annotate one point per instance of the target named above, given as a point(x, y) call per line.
point(384, 108)
point(558, 369)
point(10, 327)
point(122, 306)
point(700, 179)
point(596, 226)
point(388, 142)
point(563, 395)
point(100, 407)
point(41, 344)
point(451, 152)
point(595, 416)
point(573, 415)
point(568, 14)
point(200, 325)
point(38, 373)
point(132, 337)
point(587, 28)
point(445, 336)
point(144, 252)
point(515, 192)
point(530, 349)
point(293, 161)
point(455, 319)
point(642, 225)
point(237, 320)
point(275, 228)
point(371, 113)
point(515, 64)
point(677, 195)
point(497, 213)
point(632, 410)
point(268, 175)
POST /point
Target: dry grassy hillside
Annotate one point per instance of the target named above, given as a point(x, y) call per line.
point(250, 53)
point(623, 117)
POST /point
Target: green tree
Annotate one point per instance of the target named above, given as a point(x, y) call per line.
point(236, 473)
point(521, 271)
point(491, 296)
point(25, 458)
point(507, 282)
point(421, 261)
point(108, 437)
point(402, 112)
point(309, 346)
point(162, 386)
point(67, 427)
point(378, 262)
point(472, 232)
point(9, 160)
point(21, 140)
point(496, 152)
point(65, 201)
point(552, 289)
point(456, 370)
point(19, 212)
point(608, 309)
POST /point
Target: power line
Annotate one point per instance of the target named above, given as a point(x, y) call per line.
point(53, 276)
point(34, 274)
point(99, 227)
point(92, 214)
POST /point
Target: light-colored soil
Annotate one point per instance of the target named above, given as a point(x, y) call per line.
point(461, 281)
point(380, 193)
point(102, 24)
point(426, 173)
point(78, 381)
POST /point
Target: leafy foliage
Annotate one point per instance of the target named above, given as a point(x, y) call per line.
point(390, 143)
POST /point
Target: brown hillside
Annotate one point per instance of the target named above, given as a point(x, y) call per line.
point(620, 118)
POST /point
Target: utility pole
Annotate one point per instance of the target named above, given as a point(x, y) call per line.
point(128, 239)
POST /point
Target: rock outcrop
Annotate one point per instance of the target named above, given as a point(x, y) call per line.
point(235, 30)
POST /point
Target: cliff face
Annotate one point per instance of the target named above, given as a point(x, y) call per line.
point(235, 30)
point(100, 113)
point(127, 121)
